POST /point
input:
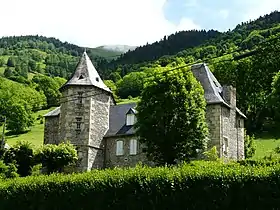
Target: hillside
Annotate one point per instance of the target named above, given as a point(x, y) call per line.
point(23, 55)
point(194, 45)
point(39, 65)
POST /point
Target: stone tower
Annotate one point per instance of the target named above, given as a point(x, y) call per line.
point(84, 114)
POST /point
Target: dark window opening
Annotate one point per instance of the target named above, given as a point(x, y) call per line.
point(79, 119)
point(97, 79)
point(80, 97)
point(81, 77)
point(78, 125)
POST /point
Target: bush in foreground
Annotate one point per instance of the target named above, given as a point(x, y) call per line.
point(7, 171)
point(22, 156)
point(55, 157)
point(199, 185)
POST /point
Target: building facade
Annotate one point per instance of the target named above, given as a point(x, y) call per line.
point(103, 132)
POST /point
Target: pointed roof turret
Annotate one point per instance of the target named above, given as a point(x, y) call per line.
point(86, 74)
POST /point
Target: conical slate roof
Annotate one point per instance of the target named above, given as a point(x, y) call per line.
point(212, 88)
point(86, 74)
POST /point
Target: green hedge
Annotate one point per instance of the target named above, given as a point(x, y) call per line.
point(201, 185)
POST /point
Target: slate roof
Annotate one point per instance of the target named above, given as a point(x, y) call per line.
point(53, 113)
point(212, 88)
point(86, 74)
point(117, 118)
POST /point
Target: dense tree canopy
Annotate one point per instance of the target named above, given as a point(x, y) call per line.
point(50, 87)
point(17, 102)
point(171, 117)
point(131, 85)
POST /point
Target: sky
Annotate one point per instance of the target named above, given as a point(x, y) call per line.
point(91, 23)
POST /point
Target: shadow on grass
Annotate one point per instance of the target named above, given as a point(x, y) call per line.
point(15, 134)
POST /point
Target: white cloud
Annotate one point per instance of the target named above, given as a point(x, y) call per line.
point(224, 13)
point(257, 8)
point(187, 24)
point(90, 22)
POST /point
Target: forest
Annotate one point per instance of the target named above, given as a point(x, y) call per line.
point(32, 68)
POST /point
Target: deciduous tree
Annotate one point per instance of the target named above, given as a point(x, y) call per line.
point(171, 117)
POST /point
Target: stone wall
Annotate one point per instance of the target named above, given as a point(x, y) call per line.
point(96, 158)
point(51, 131)
point(240, 137)
point(213, 119)
point(229, 132)
point(125, 160)
point(82, 164)
point(84, 120)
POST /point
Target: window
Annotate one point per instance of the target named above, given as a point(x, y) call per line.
point(78, 123)
point(133, 147)
point(130, 119)
point(78, 126)
point(119, 148)
point(225, 146)
point(80, 97)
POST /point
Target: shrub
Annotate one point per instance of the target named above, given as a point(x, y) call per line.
point(8, 171)
point(212, 154)
point(55, 157)
point(36, 170)
point(22, 155)
point(200, 185)
point(249, 146)
point(260, 162)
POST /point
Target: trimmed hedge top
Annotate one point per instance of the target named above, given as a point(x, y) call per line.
point(200, 185)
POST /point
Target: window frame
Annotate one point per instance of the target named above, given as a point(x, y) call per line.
point(119, 148)
point(133, 147)
point(130, 119)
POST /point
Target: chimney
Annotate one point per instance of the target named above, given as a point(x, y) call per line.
point(229, 95)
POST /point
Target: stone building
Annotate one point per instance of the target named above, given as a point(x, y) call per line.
point(103, 132)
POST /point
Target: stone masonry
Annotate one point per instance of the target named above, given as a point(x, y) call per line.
point(84, 122)
point(89, 118)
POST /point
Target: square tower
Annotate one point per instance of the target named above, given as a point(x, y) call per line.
point(84, 114)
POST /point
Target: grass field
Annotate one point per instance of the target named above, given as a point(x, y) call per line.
point(35, 136)
point(264, 146)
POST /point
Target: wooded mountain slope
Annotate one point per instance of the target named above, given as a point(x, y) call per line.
point(40, 63)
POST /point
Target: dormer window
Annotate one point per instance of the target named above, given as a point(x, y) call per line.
point(130, 119)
